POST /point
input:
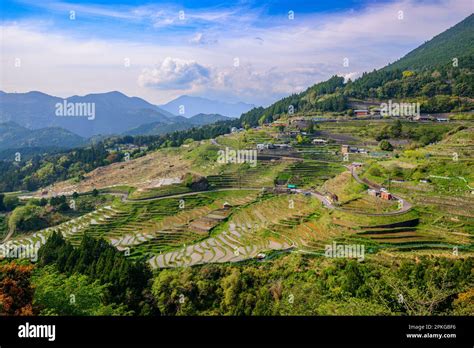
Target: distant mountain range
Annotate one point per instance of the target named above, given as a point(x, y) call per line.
point(157, 128)
point(190, 106)
point(14, 136)
point(91, 115)
point(114, 112)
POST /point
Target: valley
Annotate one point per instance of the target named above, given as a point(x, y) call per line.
point(352, 196)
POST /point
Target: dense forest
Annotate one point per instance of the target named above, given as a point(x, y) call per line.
point(454, 42)
point(95, 279)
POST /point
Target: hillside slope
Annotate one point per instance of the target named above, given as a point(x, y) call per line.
point(178, 123)
point(456, 42)
point(433, 81)
point(13, 136)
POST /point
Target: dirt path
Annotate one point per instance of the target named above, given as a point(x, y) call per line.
point(8, 236)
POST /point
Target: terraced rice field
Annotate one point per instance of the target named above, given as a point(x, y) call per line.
point(159, 224)
point(262, 175)
point(309, 173)
point(68, 229)
point(265, 225)
point(404, 233)
point(319, 153)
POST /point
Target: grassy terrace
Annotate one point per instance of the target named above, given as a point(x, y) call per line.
point(168, 190)
point(161, 229)
point(267, 224)
point(308, 173)
point(262, 175)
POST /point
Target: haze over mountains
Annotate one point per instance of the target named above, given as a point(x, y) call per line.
point(197, 105)
point(114, 113)
point(181, 123)
point(14, 136)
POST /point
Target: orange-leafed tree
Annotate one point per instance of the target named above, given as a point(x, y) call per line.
point(16, 292)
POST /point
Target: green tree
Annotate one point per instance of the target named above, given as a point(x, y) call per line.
point(396, 129)
point(27, 218)
point(385, 145)
point(10, 202)
point(58, 294)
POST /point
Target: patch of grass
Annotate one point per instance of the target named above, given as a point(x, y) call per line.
point(163, 191)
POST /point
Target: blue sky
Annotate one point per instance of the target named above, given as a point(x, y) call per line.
point(246, 51)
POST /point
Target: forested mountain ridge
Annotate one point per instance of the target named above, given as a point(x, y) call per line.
point(14, 136)
point(439, 74)
point(456, 42)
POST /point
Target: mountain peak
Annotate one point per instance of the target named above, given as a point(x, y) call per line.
point(192, 105)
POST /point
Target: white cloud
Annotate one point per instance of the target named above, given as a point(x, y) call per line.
point(350, 76)
point(175, 74)
point(277, 56)
point(202, 39)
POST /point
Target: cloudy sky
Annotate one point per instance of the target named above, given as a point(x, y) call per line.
point(247, 51)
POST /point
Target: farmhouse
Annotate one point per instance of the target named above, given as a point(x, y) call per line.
point(280, 122)
point(322, 119)
point(386, 195)
point(375, 112)
point(346, 149)
point(361, 112)
point(279, 189)
point(373, 193)
point(319, 141)
point(281, 146)
point(422, 118)
point(264, 146)
point(332, 197)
